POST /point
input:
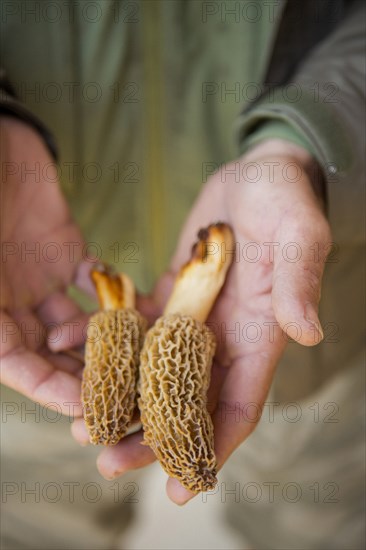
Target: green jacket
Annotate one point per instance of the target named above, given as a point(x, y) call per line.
point(147, 98)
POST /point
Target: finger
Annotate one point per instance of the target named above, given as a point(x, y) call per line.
point(163, 289)
point(56, 308)
point(32, 375)
point(127, 455)
point(33, 335)
point(177, 493)
point(147, 306)
point(297, 276)
point(65, 362)
point(218, 375)
point(31, 331)
point(82, 278)
point(37, 379)
point(64, 322)
point(241, 402)
point(69, 334)
point(79, 432)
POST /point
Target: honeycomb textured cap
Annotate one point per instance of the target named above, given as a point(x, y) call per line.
point(114, 341)
point(175, 375)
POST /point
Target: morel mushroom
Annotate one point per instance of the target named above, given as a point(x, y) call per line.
point(175, 366)
point(112, 354)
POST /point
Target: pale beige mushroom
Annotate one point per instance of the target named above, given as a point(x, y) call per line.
point(175, 366)
point(114, 340)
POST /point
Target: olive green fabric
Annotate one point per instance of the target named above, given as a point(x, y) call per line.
point(145, 99)
point(149, 91)
point(281, 128)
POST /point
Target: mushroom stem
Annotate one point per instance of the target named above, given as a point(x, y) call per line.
point(114, 291)
point(200, 280)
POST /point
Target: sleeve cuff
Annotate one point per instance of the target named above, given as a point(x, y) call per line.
point(273, 128)
point(10, 106)
point(305, 122)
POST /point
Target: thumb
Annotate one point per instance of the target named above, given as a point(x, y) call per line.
point(297, 276)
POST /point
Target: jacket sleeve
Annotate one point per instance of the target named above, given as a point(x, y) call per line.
point(11, 106)
point(323, 109)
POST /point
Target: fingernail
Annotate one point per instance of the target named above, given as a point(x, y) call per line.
point(107, 470)
point(312, 318)
point(83, 443)
point(177, 493)
point(111, 477)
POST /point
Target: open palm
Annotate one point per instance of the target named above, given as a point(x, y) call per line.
point(41, 248)
point(272, 290)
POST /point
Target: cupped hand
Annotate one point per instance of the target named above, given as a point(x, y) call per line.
point(271, 198)
point(41, 251)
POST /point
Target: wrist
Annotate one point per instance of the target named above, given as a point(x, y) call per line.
point(283, 151)
point(281, 148)
point(24, 150)
point(19, 133)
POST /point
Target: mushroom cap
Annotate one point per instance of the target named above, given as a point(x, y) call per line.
point(175, 373)
point(114, 340)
